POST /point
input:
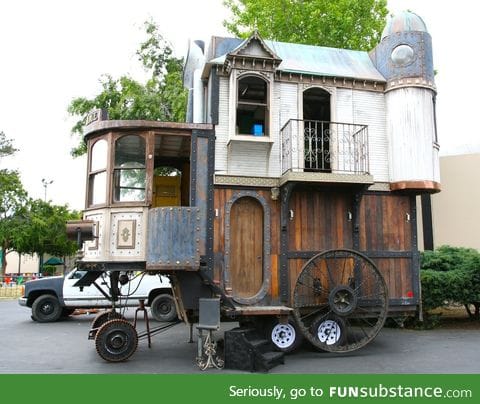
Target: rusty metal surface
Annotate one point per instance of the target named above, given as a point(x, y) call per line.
point(402, 22)
point(173, 238)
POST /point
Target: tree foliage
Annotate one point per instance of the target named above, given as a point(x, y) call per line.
point(13, 199)
point(6, 146)
point(347, 24)
point(161, 98)
point(451, 275)
point(30, 226)
point(42, 230)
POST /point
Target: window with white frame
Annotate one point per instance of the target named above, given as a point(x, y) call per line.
point(252, 106)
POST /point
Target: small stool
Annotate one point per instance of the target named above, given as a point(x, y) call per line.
point(209, 320)
point(141, 307)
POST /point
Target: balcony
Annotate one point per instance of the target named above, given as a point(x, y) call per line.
point(327, 151)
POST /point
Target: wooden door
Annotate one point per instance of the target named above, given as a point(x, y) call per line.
point(167, 191)
point(246, 247)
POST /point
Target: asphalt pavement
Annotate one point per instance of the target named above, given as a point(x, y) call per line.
point(63, 347)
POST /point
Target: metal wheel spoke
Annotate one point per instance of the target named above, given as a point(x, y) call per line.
point(356, 308)
point(315, 312)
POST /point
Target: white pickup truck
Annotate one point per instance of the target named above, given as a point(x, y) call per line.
point(54, 297)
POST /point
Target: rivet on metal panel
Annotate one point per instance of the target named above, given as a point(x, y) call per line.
point(187, 262)
point(168, 262)
point(178, 262)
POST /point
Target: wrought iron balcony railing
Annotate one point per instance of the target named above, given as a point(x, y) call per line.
point(329, 147)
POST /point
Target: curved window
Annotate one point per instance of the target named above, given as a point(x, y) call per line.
point(252, 106)
point(129, 169)
point(97, 179)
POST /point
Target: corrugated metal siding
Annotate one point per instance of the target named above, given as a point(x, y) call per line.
point(367, 108)
point(411, 134)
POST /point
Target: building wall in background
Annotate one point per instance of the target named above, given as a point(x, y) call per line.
point(456, 209)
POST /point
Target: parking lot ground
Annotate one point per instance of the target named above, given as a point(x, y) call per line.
point(63, 347)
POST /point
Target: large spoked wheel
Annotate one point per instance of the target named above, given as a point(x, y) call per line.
point(116, 340)
point(102, 318)
point(340, 300)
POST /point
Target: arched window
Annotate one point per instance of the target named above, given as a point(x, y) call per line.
point(129, 169)
point(97, 179)
point(252, 106)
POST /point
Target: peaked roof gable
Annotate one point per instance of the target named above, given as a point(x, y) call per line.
point(254, 47)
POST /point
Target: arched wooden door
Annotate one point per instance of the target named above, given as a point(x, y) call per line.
point(246, 247)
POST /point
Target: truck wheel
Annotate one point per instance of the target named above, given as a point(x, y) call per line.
point(163, 308)
point(46, 309)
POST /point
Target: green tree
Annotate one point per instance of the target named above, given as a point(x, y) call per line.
point(42, 229)
point(348, 24)
point(161, 98)
point(6, 146)
point(13, 199)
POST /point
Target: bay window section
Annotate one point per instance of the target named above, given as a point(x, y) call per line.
point(129, 169)
point(97, 177)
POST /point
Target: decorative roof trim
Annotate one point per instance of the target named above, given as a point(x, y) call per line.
point(245, 44)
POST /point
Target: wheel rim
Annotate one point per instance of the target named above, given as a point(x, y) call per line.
point(283, 335)
point(47, 308)
point(340, 300)
point(164, 308)
point(329, 332)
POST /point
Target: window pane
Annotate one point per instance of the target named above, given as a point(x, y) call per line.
point(99, 156)
point(252, 89)
point(98, 188)
point(129, 185)
point(130, 151)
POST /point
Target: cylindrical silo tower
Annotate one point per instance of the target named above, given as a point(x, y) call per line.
point(404, 57)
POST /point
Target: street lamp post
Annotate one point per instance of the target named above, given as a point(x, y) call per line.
point(46, 183)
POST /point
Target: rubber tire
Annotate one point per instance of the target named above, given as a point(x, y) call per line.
point(163, 308)
point(46, 309)
point(116, 340)
point(298, 339)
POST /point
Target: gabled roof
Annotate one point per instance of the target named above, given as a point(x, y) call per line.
point(304, 59)
point(254, 46)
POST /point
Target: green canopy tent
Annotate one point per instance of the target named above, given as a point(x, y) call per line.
point(53, 261)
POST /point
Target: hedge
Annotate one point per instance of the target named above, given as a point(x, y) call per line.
point(451, 275)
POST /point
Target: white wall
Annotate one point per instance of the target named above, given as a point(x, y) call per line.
point(350, 106)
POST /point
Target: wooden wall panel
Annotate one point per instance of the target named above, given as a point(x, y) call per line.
point(385, 223)
point(397, 273)
point(320, 221)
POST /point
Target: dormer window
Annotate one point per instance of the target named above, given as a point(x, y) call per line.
point(252, 106)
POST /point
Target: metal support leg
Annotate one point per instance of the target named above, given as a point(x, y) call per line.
point(207, 352)
point(145, 317)
point(190, 340)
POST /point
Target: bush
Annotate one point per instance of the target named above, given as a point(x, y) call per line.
point(451, 275)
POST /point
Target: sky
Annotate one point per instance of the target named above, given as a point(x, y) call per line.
point(54, 51)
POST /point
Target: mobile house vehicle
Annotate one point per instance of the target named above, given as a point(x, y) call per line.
point(289, 195)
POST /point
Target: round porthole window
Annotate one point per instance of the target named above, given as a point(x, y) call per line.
point(403, 55)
